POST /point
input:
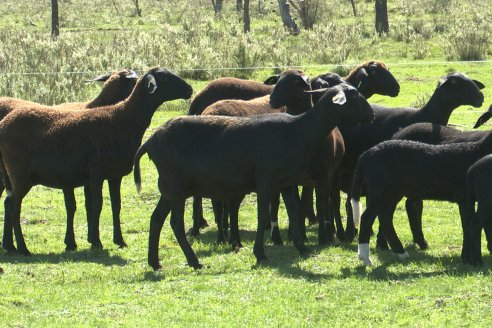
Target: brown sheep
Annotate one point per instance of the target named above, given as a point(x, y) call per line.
point(68, 149)
point(117, 87)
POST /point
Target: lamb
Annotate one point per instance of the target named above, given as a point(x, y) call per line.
point(432, 134)
point(478, 183)
point(395, 169)
point(234, 156)
point(117, 87)
point(67, 149)
point(452, 91)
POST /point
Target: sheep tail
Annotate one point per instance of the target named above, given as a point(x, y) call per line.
point(136, 170)
point(6, 179)
point(356, 192)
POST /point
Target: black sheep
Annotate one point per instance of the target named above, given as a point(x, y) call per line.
point(452, 91)
point(233, 156)
point(400, 168)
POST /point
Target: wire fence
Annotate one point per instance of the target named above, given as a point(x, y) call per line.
point(257, 68)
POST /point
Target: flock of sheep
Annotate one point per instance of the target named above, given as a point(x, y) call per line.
point(244, 136)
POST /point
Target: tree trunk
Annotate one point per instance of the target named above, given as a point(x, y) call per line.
point(137, 8)
point(382, 25)
point(239, 5)
point(217, 6)
point(55, 23)
point(287, 19)
point(353, 8)
point(246, 16)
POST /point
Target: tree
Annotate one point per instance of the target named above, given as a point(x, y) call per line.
point(137, 8)
point(382, 25)
point(217, 4)
point(353, 8)
point(55, 23)
point(287, 19)
point(246, 20)
point(307, 10)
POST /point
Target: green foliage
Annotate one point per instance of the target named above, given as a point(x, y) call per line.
point(115, 287)
point(469, 36)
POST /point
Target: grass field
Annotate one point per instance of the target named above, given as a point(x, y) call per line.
point(115, 287)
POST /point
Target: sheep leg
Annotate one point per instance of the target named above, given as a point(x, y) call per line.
point(177, 224)
point(350, 231)
point(307, 209)
point(15, 217)
point(414, 211)
point(381, 242)
point(198, 218)
point(325, 234)
point(335, 213)
point(157, 219)
point(472, 224)
point(275, 230)
point(292, 203)
point(388, 229)
point(366, 221)
point(88, 211)
point(70, 206)
point(218, 207)
point(8, 237)
point(96, 206)
point(264, 197)
point(115, 196)
point(234, 239)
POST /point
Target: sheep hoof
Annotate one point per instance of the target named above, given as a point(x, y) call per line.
point(196, 265)
point(382, 245)
point(156, 266)
point(366, 261)
point(203, 223)
point(192, 232)
point(122, 245)
point(71, 248)
point(262, 261)
point(423, 245)
point(10, 249)
point(236, 245)
point(340, 235)
point(350, 235)
point(97, 246)
point(403, 256)
point(25, 252)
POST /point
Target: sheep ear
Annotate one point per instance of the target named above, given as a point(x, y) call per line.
point(339, 98)
point(131, 74)
point(322, 90)
point(100, 78)
point(483, 119)
point(151, 84)
point(271, 80)
point(362, 73)
point(479, 84)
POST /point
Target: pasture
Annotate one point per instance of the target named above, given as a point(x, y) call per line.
point(116, 287)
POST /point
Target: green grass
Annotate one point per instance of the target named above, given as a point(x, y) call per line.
point(116, 287)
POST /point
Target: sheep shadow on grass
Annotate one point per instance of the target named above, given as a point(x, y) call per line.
point(86, 255)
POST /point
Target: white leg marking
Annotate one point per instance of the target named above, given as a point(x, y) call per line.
point(9, 192)
point(364, 254)
point(356, 211)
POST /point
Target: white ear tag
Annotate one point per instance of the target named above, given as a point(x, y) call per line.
point(339, 98)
